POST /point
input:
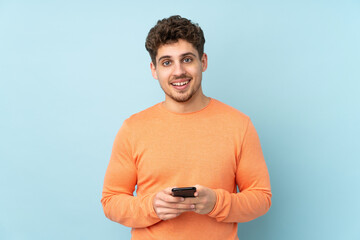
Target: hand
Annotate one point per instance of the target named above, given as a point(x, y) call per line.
point(205, 199)
point(167, 206)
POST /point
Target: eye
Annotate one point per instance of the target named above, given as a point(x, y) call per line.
point(187, 60)
point(166, 63)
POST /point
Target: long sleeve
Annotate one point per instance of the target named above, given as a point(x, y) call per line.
point(118, 201)
point(252, 178)
point(216, 147)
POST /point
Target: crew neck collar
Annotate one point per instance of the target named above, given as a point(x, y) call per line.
point(162, 107)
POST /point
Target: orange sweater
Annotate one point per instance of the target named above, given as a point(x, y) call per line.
point(216, 147)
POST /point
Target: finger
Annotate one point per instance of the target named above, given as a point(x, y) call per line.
point(175, 210)
point(199, 189)
point(164, 201)
point(168, 190)
point(190, 201)
point(180, 211)
point(161, 212)
point(160, 203)
point(171, 199)
point(163, 204)
point(188, 207)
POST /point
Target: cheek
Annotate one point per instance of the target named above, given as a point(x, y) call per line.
point(197, 72)
point(160, 77)
point(163, 75)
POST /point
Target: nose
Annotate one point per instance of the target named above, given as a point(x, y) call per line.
point(179, 69)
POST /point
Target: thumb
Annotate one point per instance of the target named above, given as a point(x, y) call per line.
point(198, 188)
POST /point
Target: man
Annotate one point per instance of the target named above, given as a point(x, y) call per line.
point(187, 140)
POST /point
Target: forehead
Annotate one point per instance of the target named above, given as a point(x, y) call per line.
point(176, 49)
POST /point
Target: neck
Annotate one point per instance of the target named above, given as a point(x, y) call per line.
point(197, 102)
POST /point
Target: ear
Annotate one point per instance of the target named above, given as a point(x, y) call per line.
point(153, 70)
point(204, 62)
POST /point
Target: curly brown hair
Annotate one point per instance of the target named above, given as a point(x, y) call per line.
point(170, 30)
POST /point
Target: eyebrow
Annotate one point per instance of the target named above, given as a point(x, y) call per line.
point(182, 55)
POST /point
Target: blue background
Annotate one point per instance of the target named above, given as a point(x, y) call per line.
point(72, 71)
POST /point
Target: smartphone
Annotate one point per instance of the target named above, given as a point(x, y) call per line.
point(184, 192)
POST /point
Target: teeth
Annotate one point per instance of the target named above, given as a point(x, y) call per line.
point(180, 83)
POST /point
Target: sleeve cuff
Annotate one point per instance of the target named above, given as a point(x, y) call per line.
point(212, 213)
point(152, 212)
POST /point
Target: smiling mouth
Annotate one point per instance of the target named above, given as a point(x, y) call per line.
point(178, 84)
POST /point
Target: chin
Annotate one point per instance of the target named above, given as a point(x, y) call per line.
point(181, 99)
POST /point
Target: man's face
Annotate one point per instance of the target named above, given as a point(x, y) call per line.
point(179, 70)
